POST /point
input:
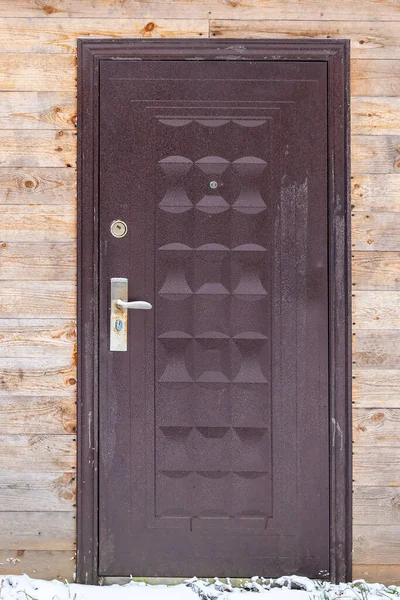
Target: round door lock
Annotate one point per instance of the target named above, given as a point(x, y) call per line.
point(119, 228)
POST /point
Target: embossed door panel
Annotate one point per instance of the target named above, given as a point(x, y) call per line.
point(214, 425)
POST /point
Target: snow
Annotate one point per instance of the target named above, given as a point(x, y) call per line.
point(22, 587)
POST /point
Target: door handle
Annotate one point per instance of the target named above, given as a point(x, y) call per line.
point(119, 313)
point(137, 304)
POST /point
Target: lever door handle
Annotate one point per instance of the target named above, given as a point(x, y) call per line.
point(119, 313)
point(137, 304)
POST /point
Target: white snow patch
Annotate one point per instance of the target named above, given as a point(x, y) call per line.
point(22, 587)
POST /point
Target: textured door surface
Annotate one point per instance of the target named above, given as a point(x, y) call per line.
point(214, 425)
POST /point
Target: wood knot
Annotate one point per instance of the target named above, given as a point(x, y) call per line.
point(356, 186)
point(149, 27)
point(71, 381)
point(379, 416)
point(59, 149)
point(29, 184)
point(48, 9)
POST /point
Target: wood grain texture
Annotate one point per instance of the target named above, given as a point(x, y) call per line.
point(375, 77)
point(38, 72)
point(375, 154)
point(389, 574)
point(37, 377)
point(37, 223)
point(376, 349)
point(37, 110)
point(376, 310)
point(27, 148)
point(375, 116)
point(240, 9)
point(376, 466)
point(375, 270)
point(374, 388)
point(375, 231)
point(376, 427)
point(27, 415)
point(38, 186)
point(29, 338)
point(376, 544)
point(376, 192)
point(376, 505)
point(44, 564)
point(37, 492)
point(38, 453)
point(369, 39)
point(50, 36)
point(57, 73)
point(37, 530)
point(37, 299)
point(37, 262)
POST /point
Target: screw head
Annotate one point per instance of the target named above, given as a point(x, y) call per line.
point(213, 185)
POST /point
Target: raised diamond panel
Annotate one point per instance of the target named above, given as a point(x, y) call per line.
point(213, 356)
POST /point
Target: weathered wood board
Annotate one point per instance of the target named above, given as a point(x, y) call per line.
point(38, 530)
point(38, 186)
point(44, 564)
point(374, 388)
point(368, 10)
point(373, 270)
point(37, 492)
point(38, 262)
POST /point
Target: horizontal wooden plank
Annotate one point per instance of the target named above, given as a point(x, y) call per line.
point(50, 36)
point(37, 110)
point(374, 388)
point(376, 505)
point(37, 491)
point(376, 466)
point(45, 262)
point(57, 72)
point(372, 154)
point(22, 223)
point(29, 338)
point(37, 377)
point(375, 231)
point(37, 530)
point(376, 544)
point(376, 310)
point(37, 299)
point(376, 349)
point(375, 77)
point(38, 185)
point(38, 72)
point(375, 116)
point(376, 427)
point(375, 270)
point(376, 192)
point(57, 564)
point(358, 10)
point(47, 148)
point(34, 414)
point(29, 148)
point(387, 574)
point(369, 39)
point(37, 453)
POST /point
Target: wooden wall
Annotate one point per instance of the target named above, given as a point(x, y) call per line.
point(38, 254)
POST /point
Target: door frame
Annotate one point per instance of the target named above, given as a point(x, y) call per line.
point(336, 54)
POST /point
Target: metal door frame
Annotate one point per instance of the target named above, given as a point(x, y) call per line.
point(336, 54)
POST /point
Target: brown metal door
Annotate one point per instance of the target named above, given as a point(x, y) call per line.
point(214, 424)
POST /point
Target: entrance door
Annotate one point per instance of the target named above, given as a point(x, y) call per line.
point(214, 423)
